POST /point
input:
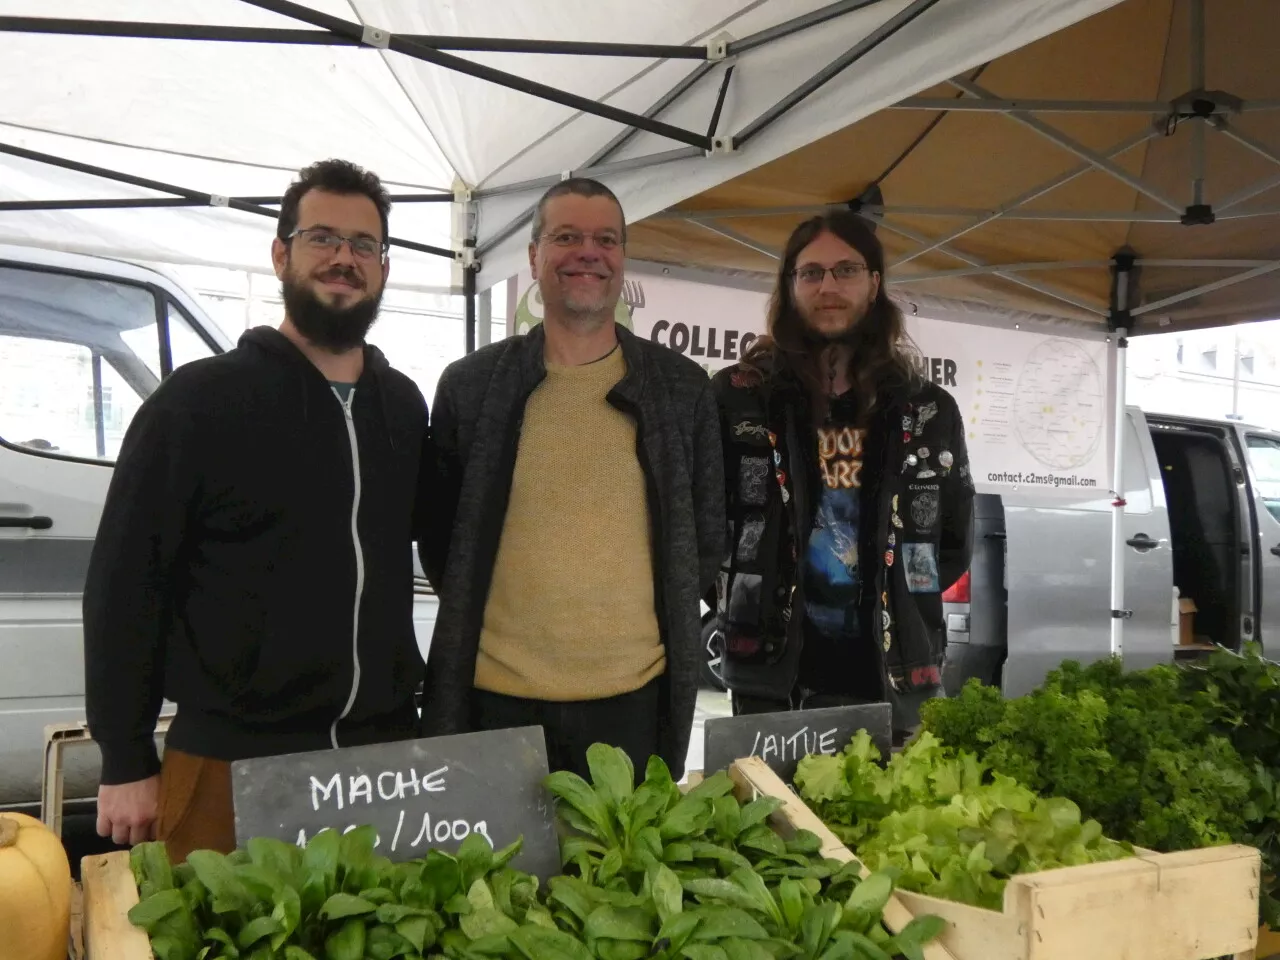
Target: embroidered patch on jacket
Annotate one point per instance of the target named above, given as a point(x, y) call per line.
point(749, 540)
point(751, 432)
point(926, 413)
point(921, 563)
point(924, 510)
point(753, 476)
point(929, 676)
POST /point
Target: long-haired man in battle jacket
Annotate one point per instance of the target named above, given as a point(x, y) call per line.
point(849, 492)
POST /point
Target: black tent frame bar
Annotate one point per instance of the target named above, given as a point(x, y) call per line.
point(357, 32)
point(335, 31)
point(15, 206)
point(324, 38)
point(195, 198)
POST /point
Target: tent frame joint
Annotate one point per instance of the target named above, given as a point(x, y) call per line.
point(718, 47)
point(1198, 215)
point(1203, 104)
point(376, 37)
point(720, 146)
point(1123, 288)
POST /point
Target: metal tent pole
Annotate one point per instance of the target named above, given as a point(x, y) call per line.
point(469, 298)
point(193, 197)
point(14, 206)
point(1119, 320)
point(207, 32)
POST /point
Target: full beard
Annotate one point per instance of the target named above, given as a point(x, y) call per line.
point(329, 326)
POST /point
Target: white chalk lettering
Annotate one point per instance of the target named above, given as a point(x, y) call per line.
point(433, 782)
point(791, 741)
point(396, 838)
point(382, 792)
point(332, 788)
point(361, 786)
point(786, 747)
point(402, 785)
point(425, 832)
point(442, 831)
point(302, 839)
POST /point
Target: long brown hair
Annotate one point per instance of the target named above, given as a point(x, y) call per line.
point(883, 354)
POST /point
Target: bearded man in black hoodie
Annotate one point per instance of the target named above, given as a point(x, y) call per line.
point(254, 562)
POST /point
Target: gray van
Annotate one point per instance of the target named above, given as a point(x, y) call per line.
point(83, 341)
point(1202, 523)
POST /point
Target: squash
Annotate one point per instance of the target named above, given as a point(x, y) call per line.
point(35, 891)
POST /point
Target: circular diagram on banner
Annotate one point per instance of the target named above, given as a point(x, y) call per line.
point(529, 311)
point(1059, 405)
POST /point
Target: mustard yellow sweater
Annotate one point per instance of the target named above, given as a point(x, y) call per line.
point(570, 614)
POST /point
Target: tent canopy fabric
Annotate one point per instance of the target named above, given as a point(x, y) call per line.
point(1109, 153)
point(232, 118)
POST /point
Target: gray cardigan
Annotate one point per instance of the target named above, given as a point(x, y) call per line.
point(476, 420)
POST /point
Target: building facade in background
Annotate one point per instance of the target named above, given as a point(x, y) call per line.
point(1228, 372)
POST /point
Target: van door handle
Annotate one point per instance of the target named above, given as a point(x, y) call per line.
point(1142, 542)
point(1276, 550)
point(34, 523)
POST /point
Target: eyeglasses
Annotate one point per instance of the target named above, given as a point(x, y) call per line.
point(813, 275)
point(576, 238)
point(326, 241)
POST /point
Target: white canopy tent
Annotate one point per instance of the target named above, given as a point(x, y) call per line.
point(164, 129)
point(225, 99)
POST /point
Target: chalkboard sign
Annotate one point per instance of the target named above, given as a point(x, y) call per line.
point(418, 794)
point(781, 739)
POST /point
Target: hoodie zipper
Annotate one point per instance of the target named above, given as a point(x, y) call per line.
point(359, 550)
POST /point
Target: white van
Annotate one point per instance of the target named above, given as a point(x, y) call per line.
point(83, 340)
point(1202, 524)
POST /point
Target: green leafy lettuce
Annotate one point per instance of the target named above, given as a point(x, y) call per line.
point(942, 824)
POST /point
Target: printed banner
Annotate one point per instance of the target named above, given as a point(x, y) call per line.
point(1036, 406)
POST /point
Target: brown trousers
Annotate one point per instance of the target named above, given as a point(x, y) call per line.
point(195, 811)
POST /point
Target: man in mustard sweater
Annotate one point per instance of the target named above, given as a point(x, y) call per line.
point(581, 477)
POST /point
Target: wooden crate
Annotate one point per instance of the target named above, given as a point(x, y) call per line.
point(109, 893)
point(1195, 905)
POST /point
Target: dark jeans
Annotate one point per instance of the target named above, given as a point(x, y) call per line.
point(629, 722)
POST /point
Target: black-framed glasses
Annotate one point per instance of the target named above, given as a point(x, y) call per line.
point(812, 275)
point(323, 240)
point(606, 240)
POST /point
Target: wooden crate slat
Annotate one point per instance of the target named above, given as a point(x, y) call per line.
point(753, 777)
point(1191, 905)
point(75, 941)
point(109, 893)
point(973, 932)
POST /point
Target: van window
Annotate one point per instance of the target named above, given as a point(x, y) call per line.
point(185, 341)
point(78, 355)
point(1264, 458)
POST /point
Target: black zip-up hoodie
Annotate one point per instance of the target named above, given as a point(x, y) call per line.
point(233, 545)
